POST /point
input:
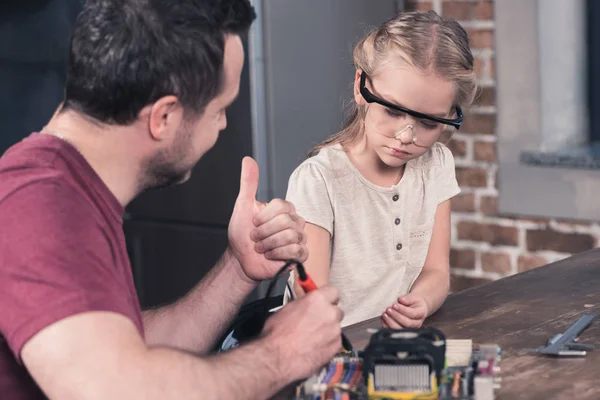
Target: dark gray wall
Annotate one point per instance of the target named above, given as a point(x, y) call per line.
point(309, 73)
point(34, 39)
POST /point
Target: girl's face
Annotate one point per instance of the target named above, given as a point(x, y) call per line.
point(411, 88)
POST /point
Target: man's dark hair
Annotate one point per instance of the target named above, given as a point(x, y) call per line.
point(126, 54)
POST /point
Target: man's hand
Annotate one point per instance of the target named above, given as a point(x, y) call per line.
point(306, 333)
point(263, 235)
point(409, 312)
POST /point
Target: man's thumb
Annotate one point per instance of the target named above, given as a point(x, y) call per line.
point(249, 179)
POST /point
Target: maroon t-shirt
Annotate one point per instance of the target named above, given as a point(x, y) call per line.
point(62, 250)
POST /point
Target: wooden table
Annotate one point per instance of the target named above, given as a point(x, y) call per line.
point(522, 312)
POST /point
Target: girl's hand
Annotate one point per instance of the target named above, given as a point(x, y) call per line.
point(409, 312)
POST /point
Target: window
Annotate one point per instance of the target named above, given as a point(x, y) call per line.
point(592, 9)
point(548, 167)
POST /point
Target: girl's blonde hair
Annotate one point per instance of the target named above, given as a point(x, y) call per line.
point(423, 40)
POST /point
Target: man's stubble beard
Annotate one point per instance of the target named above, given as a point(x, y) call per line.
point(167, 167)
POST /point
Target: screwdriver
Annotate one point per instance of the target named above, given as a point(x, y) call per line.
point(309, 285)
point(306, 281)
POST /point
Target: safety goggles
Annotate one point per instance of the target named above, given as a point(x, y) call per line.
point(371, 98)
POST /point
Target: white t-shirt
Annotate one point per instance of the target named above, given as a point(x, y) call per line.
point(380, 235)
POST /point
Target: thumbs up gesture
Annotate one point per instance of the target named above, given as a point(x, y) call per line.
point(262, 236)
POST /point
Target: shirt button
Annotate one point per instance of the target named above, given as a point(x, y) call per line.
point(395, 198)
point(399, 246)
point(397, 221)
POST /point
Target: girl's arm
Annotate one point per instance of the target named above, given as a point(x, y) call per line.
point(433, 282)
point(431, 287)
point(319, 255)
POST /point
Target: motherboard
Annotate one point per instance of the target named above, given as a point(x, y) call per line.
point(409, 364)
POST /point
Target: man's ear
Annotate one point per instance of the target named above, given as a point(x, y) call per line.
point(164, 118)
point(357, 96)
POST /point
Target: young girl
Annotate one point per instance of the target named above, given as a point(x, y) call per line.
point(376, 196)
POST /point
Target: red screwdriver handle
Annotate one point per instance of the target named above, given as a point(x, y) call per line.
point(306, 281)
point(308, 285)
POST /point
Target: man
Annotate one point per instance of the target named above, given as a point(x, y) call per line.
point(147, 88)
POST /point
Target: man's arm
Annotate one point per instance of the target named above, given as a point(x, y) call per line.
point(100, 355)
point(195, 321)
point(262, 237)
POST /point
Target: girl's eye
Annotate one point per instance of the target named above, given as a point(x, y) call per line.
point(394, 113)
point(429, 125)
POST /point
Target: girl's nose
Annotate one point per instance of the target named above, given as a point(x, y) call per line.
point(406, 135)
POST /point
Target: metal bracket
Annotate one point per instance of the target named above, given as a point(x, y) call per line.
point(564, 345)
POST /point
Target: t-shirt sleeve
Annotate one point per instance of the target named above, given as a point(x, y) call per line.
point(54, 262)
point(447, 185)
point(308, 192)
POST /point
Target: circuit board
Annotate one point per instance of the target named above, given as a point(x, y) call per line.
point(397, 365)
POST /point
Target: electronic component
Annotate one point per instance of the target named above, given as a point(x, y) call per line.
point(458, 352)
point(409, 364)
point(341, 379)
point(404, 364)
point(477, 379)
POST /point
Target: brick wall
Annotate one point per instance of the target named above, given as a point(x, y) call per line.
point(485, 244)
